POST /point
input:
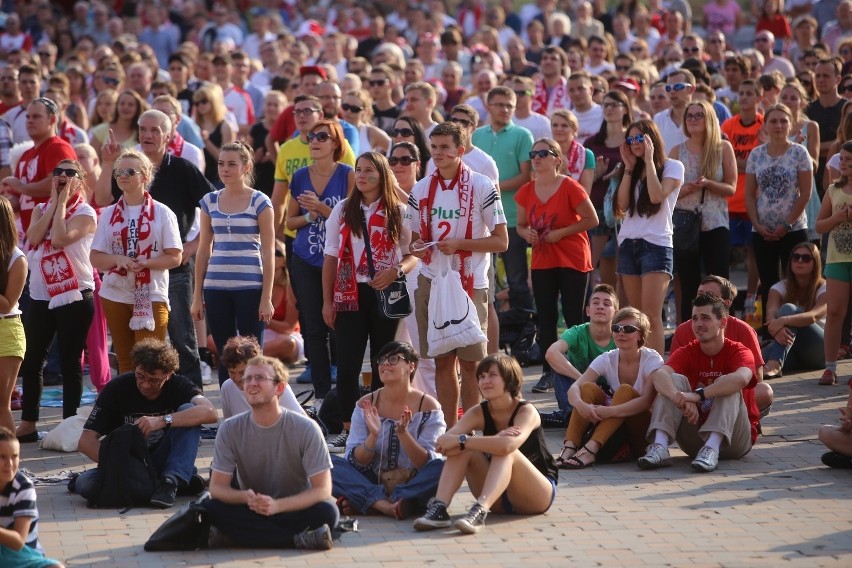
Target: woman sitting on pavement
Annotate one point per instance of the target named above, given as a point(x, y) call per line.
point(613, 392)
point(390, 465)
point(509, 468)
point(795, 315)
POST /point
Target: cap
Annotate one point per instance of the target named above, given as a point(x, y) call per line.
point(313, 70)
point(627, 84)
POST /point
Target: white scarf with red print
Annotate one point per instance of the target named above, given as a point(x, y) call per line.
point(545, 105)
point(55, 266)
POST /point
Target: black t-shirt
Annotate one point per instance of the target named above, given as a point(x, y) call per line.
point(827, 118)
point(385, 119)
point(264, 172)
point(121, 403)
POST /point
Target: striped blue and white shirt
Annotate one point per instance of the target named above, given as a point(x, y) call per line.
point(235, 263)
point(18, 499)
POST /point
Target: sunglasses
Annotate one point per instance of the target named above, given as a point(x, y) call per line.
point(390, 360)
point(844, 88)
point(129, 172)
point(463, 121)
point(351, 108)
point(404, 160)
point(523, 93)
point(377, 82)
point(305, 111)
point(677, 87)
point(70, 172)
point(796, 257)
point(695, 49)
point(110, 81)
point(610, 105)
point(404, 132)
point(618, 328)
point(318, 136)
point(202, 101)
point(541, 154)
point(638, 139)
point(694, 116)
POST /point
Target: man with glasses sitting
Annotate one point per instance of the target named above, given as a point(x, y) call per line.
point(167, 407)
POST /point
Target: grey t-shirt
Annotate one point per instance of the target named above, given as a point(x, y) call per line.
point(276, 461)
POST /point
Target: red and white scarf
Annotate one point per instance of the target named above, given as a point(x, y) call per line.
point(143, 310)
point(56, 268)
point(383, 249)
point(175, 147)
point(462, 259)
point(558, 98)
point(575, 160)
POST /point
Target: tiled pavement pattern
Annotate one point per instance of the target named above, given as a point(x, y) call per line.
point(778, 506)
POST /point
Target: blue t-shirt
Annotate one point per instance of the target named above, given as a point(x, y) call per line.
point(310, 239)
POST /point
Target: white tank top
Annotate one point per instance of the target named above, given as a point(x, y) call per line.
point(16, 254)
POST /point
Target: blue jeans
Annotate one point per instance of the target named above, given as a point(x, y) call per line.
point(637, 257)
point(174, 455)
point(806, 352)
point(181, 327)
point(362, 489)
point(561, 384)
point(307, 286)
point(517, 271)
point(232, 312)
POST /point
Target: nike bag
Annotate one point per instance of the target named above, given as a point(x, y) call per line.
point(453, 321)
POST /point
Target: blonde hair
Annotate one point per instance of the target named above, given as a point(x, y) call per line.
point(711, 152)
point(214, 94)
point(642, 321)
point(144, 162)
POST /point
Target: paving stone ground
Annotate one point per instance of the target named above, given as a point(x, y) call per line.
point(778, 506)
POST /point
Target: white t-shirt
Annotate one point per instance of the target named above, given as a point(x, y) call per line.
point(447, 221)
point(476, 160)
point(781, 288)
point(606, 365)
point(536, 123)
point(166, 235)
point(657, 228)
point(590, 121)
point(77, 253)
point(239, 103)
point(234, 400)
point(671, 132)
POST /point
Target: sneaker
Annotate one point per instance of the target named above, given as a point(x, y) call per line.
point(194, 487)
point(657, 455)
point(473, 521)
point(206, 374)
point(436, 516)
point(165, 493)
point(706, 460)
point(828, 378)
point(306, 377)
point(316, 539)
point(337, 444)
point(544, 384)
point(554, 419)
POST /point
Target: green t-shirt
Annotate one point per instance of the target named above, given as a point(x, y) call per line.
point(509, 148)
point(582, 349)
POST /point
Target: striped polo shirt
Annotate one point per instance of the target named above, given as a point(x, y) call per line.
point(235, 263)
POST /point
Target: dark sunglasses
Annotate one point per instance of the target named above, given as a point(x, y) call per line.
point(523, 93)
point(796, 257)
point(318, 136)
point(695, 49)
point(464, 122)
point(110, 81)
point(404, 132)
point(129, 172)
point(70, 172)
point(351, 108)
point(844, 88)
point(618, 328)
point(638, 139)
point(541, 154)
point(377, 82)
point(404, 160)
point(677, 87)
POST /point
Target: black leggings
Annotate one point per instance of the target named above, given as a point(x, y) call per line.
point(714, 253)
point(552, 286)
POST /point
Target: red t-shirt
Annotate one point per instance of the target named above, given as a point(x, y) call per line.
point(4, 107)
point(778, 25)
point(559, 211)
point(36, 164)
point(702, 370)
point(285, 126)
point(737, 330)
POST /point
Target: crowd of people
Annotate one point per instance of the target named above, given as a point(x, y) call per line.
point(232, 186)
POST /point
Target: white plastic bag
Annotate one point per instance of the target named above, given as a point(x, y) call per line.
point(453, 321)
point(65, 436)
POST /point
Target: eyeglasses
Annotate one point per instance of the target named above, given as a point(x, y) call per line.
point(69, 172)
point(610, 105)
point(318, 136)
point(638, 139)
point(256, 379)
point(305, 111)
point(390, 360)
point(541, 154)
point(377, 82)
point(694, 116)
point(463, 121)
point(404, 132)
point(618, 328)
point(120, 173)
point(695, 49)
point(796, 257)
point(143, 377)
point(677, 87)
point(351, 108)
point(202, 101)
point(404, 160)
point(522, 93)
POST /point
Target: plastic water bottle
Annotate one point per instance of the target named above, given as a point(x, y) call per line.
point(670, 319)
point(757, 319)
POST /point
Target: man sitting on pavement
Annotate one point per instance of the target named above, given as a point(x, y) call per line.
point(706, 395)
point(282, 498)
point(168, 408)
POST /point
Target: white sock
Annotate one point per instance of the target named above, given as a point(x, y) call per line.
point(661, 437)
point(714, 441)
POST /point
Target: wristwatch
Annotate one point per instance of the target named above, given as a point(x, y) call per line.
point(400, 273)
point(168, 420)
point(700, 392)
point(788, 226)
point(462, 441)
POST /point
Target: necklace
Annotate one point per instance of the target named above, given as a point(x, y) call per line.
point(319, 173)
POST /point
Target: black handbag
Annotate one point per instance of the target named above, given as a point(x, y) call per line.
point(188, 529)
point(393, 302)
point(687, 229)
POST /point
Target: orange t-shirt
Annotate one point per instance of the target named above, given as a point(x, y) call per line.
point(744, 140)
point(557, 212)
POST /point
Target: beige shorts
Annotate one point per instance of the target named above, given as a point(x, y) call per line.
point(475, 352)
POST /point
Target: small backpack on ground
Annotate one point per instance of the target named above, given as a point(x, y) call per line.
point(518, 331)
point(127, 474)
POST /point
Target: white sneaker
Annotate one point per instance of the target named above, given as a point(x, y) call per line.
point(206, 374)
point(706, 461)
point(657, 455)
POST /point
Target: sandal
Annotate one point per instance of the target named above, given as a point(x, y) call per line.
point(562, 461)
point(576, 463)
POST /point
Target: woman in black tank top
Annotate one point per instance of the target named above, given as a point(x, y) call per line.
point(509, 468)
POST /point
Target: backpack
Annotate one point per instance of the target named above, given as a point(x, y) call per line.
point(127, 475)
point(518, 331)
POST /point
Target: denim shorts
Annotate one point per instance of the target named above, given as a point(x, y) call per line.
point(602, 228)
point(509, 509)
point(637, 257)
point(741, 233)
